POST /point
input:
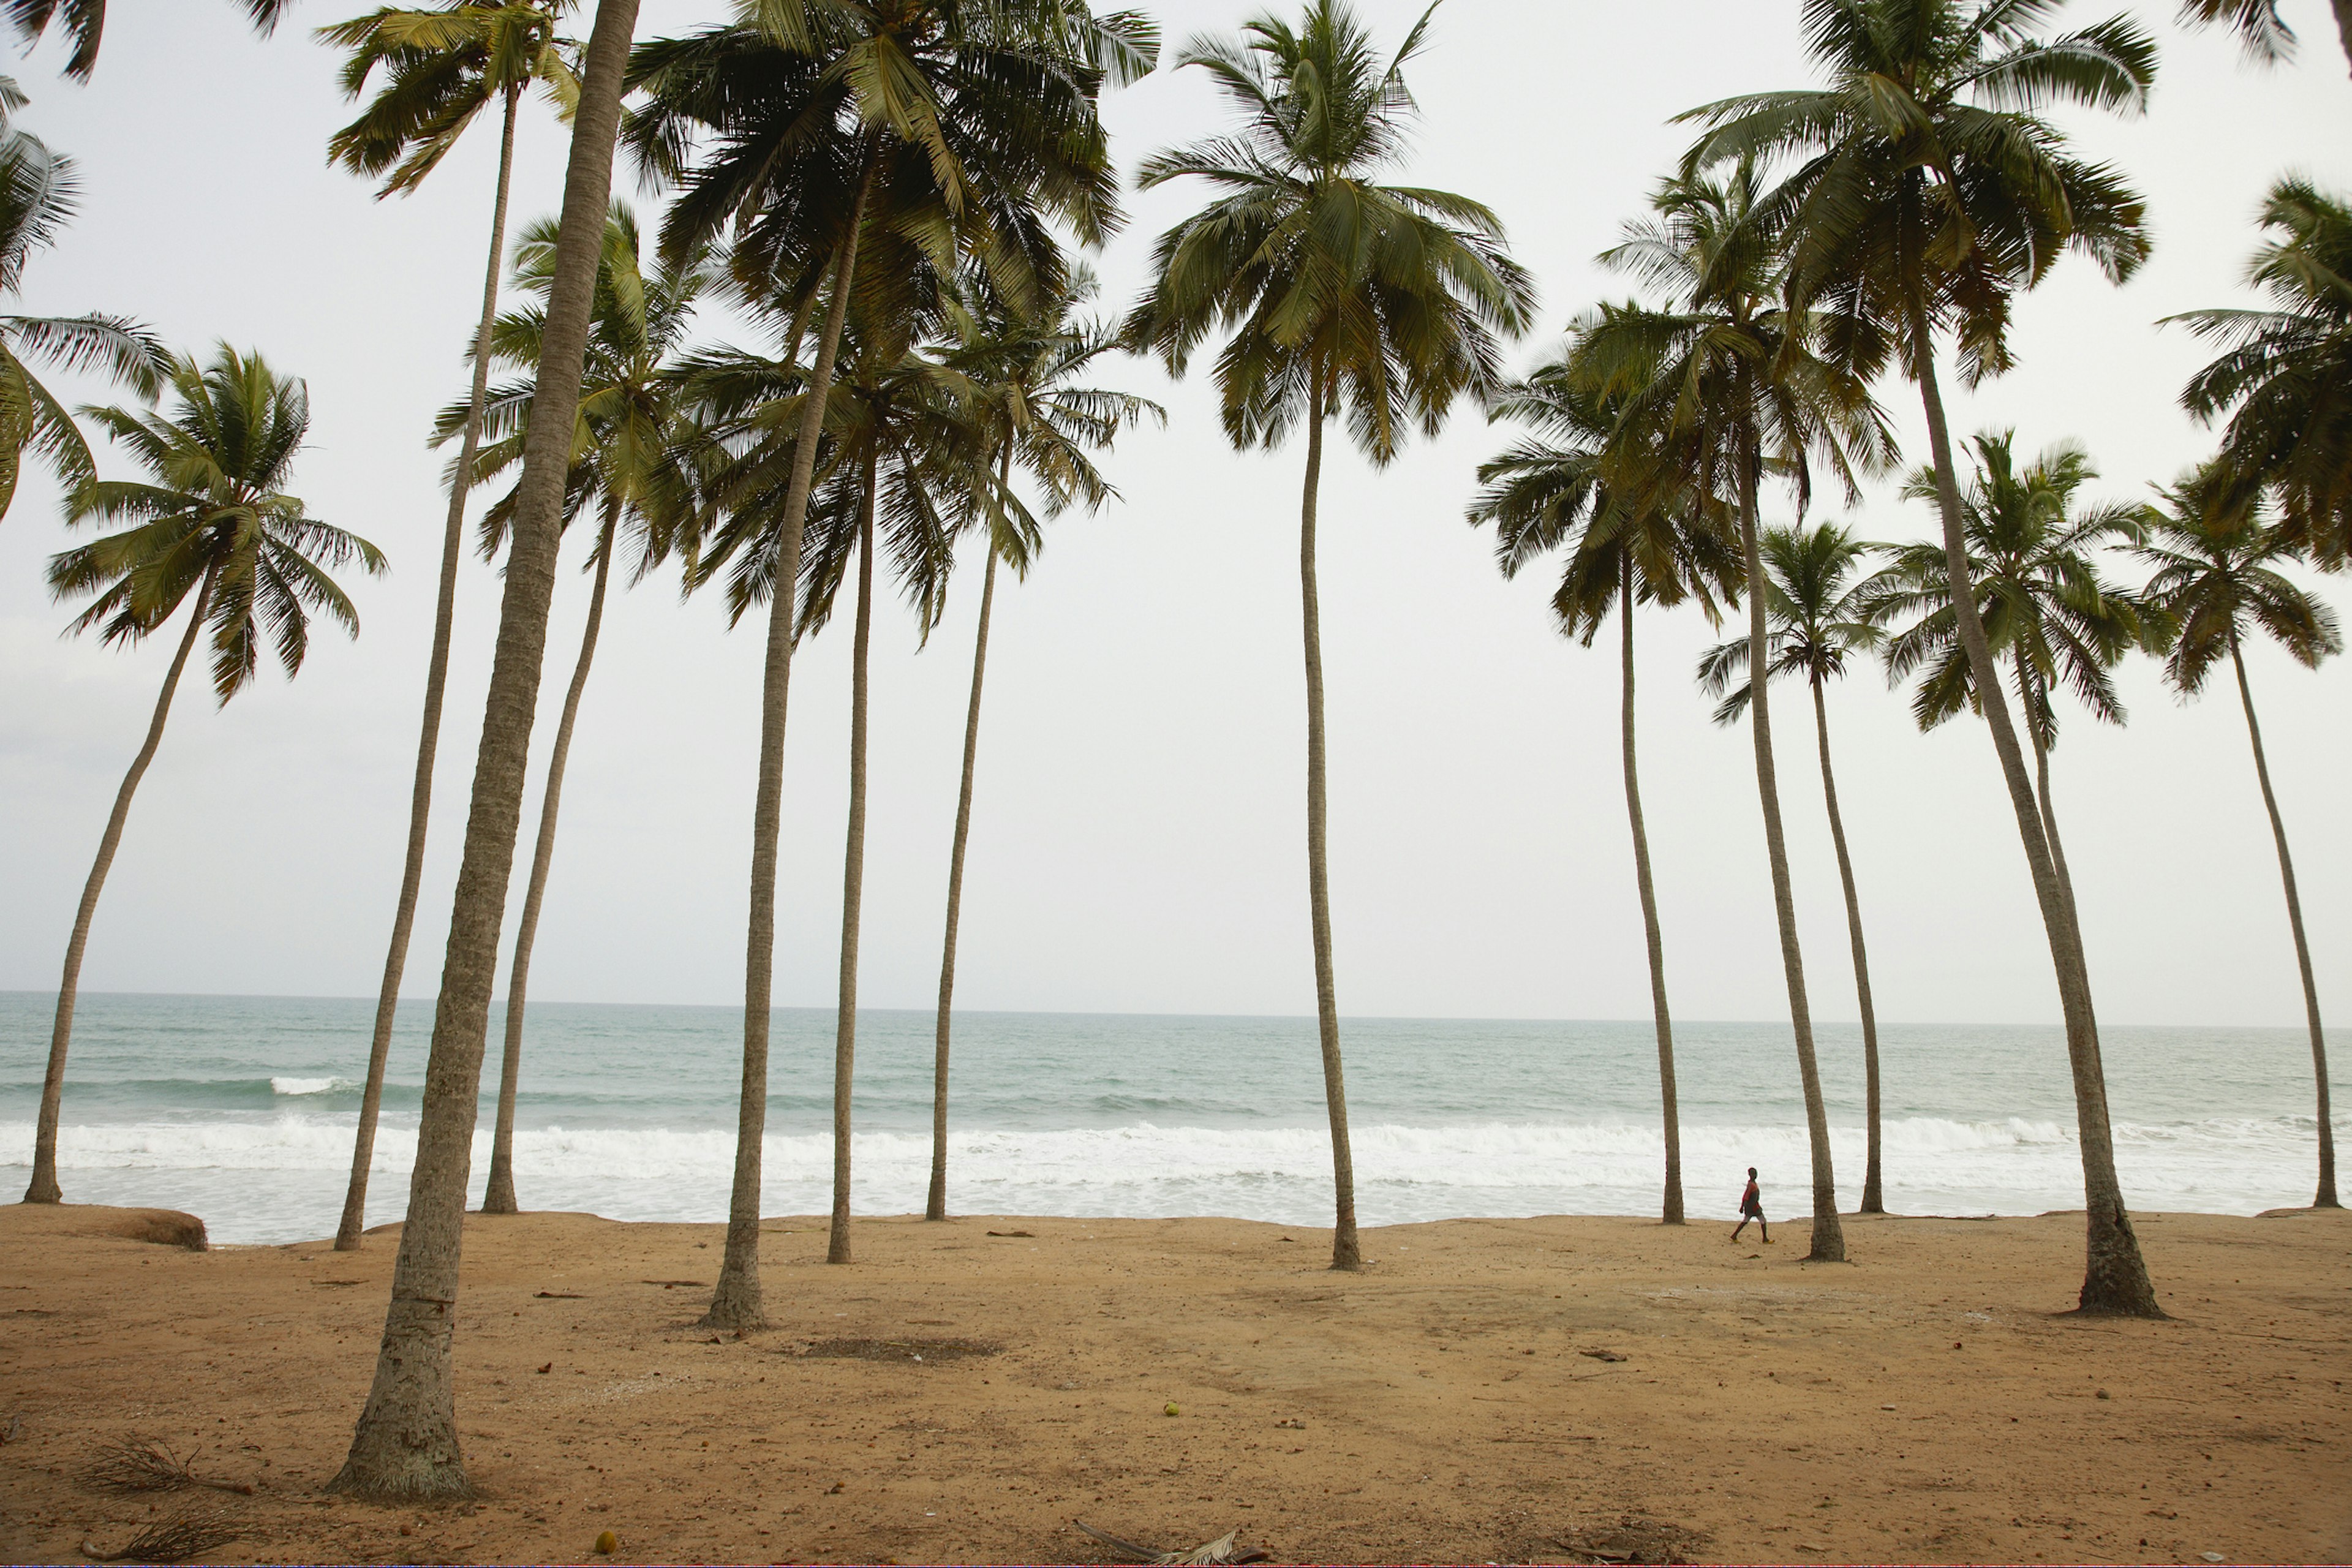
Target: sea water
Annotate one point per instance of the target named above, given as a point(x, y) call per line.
point(241, 1110)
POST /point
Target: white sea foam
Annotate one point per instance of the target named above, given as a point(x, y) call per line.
point(293, 1086)
point(279, 1179)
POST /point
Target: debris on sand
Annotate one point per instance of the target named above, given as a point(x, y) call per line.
point(136, 1464)
point(1205, 1555)
point(188, 1534)
point(1633, 1539)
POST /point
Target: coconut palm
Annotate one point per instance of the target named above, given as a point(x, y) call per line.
point(1337, 295)
point(214, 522)
point(38, 198)
point(1022, 371)
point(847, 147)
point(439, 68)
point(1722, 384)
point(84, 22)
point(405, 1443)
point(628, 434)
point(2285, 375)
point(2042, 597)
point(1565, 488)
point(2267, 37)
point(2217, 579)
point(1818, 619)
point(1928, 191)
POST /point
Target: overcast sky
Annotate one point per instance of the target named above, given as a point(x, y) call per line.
point(1136, 843)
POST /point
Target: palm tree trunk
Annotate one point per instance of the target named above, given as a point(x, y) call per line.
point(1672, 1213)
point(1828, 1235)
point(736, 1303)
point(1345, 1251)
point(2036, 699)
point(405, 1445)
point(498, 1196)
point(44, 1187)
point(936, 1205)
point(1874, 1199)
point(2114, 1276)
point(2326, 1194)
point(853, 882)
point(436, 682)
point(2344, 26)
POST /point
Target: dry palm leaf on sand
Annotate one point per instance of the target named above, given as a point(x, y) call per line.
point(1220, 1551)
point(136, 1464)
point(175, 1539)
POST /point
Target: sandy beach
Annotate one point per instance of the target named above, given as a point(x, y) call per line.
point(1548, 1390)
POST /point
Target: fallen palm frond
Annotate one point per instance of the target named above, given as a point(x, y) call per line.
point(175, 1539)
point(1207, 1555)
point(145, 1465)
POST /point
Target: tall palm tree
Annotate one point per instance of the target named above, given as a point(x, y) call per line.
point(903, 445)
point(214, 522)
point(1730, 380)
point(2259, 25)
point(2287, 371)
point(1818, 619)
point(2217, 579)
point(406, 1442)
point(37, 192)
point(1337, 294)
point(1564, 488)
point(848, 147)
point(440, 68)
point(628, 434)
point(1929, 192)
point(2042, 597)
point(1022, 371)
point(84, 22)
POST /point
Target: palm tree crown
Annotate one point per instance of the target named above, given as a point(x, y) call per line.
point(1820, 614)
point(2045, 601)
point(84, 22)
point(441, 66)
point(2287, 371)
point(2216, 577)
point(214, 513)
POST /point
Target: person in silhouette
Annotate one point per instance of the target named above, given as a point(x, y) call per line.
point(1752, 1207)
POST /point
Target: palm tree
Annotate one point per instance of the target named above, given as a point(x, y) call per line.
point(1562, 490)
point(2258, 24)
point(440, 67)
point(1929, 192)
point(1716, 387)
point(37, 192)
point(1021, 370)
point(2216, 579)
point(405, 1443)
point(1817, 622)
point(2287, 372)
point(215, 522)
point(819, 138)
point(628, 433)
point(1385, 302)
point(84, 22)
point(2041, 599)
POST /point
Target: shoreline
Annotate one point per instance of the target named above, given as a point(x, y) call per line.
point(1458, 1401)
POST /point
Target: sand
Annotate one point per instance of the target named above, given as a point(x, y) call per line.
point(1486, 1391)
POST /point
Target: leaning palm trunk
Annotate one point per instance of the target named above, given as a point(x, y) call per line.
point(2115, 1277)
point(2038, 729)
point(498, 1196)
point(936, 1205)
point(436, 682)
point(1828, 1235)
point(405, 1446)
point(44, 1187)
point(736, 1302)
point(853, 883)
point(1345, 1252)
point(2327, 1195)
point(1674, 1202)
point(2344, 26)
point(1873, 1200)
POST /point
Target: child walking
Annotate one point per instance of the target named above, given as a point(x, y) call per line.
point(1752, 1207)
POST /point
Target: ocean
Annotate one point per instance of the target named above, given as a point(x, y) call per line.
point(240, 1110)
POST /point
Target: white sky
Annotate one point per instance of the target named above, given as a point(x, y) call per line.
point(1136, 843)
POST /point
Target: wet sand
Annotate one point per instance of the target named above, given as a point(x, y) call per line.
point(1549, 1390)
